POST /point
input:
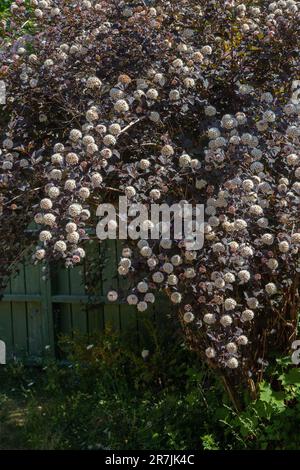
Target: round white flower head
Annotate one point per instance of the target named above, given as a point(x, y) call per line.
point(234, 246)
point(149, 297)
point(152, 94)
point(284, 247)
point(210, 353)
point(167, 151)
point(142, 287)
point(184, 160)
point(73, 238)
point(57, 159)
point(115, 129)
point(116, 94)
point(246, 251)
point(80, 252)
point(295, 237)
point(75, 210)
point(176, 260)
point(168, 268)
point(91, 115)
point(271, 288)
point(231, 348)
point(210, 111)
point(190, 273)
point(172, 280)
point(292, 159)
point(75, 135)
point(229, 304)
point(125, 262)
point(130, 192)
point(244, 276)
point(269, 116)
point(166, 243)
point(232, 363)
point(226, 320)
point(132, 299)
point(84, 193)
point(121, 106)
point(272, 263)
point(96, 179)
point(240, 224)
point(45, 236)
point(109, 140)
point(49, 219)
point(46, 204)
point(252, 302)
point(189, 82)
point(70, 185)
point(85, 214)
point(219, 283)
point(248, 185)
point(40, 254)
point(158, 277)
point(267, 239)
point(142, 306)
point(146, 252)
point(112, 295)
point(145, 353)
point(263, 222)
point(72, 158)
point(229, 278)
point(188, 317)
point(53, 192)
point(209, 318)
point(38, 218)
point(247, 315)
point(256, 210)
point(93, 83)
point(144, 164)
point(242, 340)
point(218, 247)
point(151, 262)
point(71, 227)
point(176, 298)
point(174, 95)
point(60, 246)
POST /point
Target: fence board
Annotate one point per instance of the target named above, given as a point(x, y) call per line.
point(109, 281)
point(19, 315)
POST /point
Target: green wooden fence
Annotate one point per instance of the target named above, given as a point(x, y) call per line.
point(35, 312)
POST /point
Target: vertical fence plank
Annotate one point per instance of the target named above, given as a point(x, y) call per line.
point(6, 324)
point(19, 315)
point(61, 286)
point(36, 333)
point(47, 311)
point(79, 315)
point(95, 314)
point(110, 281)
point(6, 333)
point(128, 314)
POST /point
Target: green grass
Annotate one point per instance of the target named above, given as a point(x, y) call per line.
point(108, 397)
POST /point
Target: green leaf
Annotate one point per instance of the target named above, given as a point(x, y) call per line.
point(292, 377)
point(275, 399)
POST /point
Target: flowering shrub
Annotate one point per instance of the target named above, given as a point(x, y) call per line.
point(163, 101)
